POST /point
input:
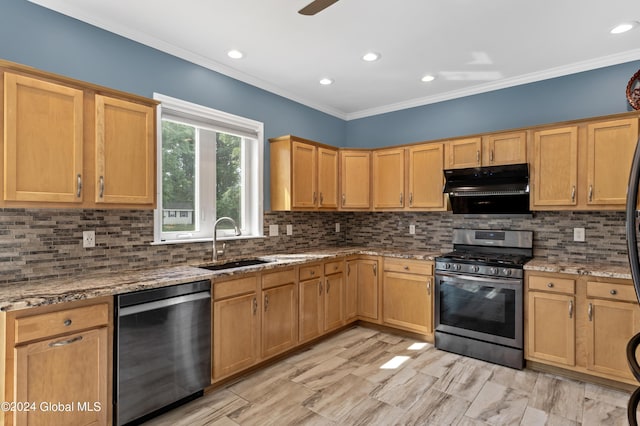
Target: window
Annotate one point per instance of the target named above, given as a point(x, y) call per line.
point(209, 166)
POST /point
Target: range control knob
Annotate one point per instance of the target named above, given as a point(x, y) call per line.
point(475, 268)
point(506, 272)
point(447, 266)
point(456, 267)
point(493, 270)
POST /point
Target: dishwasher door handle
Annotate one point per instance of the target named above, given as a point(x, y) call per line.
point(159, 304)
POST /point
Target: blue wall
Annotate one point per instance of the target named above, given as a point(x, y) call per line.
point(38, 37)
point(586, 94)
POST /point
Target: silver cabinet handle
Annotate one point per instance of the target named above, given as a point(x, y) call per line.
point(401, 198)
point(491, 156)
point(571, 309)
point(67, 322)
point(79, 186)
point(312, 272)
point(573, 193)
point(550, 285)
point(590, 312)
point(321, 198)
point(64, 342)
point(315, 197)
point(411, 198)
point(429, 286)
point(101, 187)
point(406, 267)
point(344, 199)
point(255, 305)
point(375, 269)
point(478, 156)
point(266, 302)
point(590, 193)
point(613, 292)
point(328, 286)
point(320, 286)
point(348, 269)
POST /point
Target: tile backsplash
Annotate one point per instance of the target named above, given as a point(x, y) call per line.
point(39, 244)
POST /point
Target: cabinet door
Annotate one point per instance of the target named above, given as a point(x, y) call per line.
point(235, 334)
point(310, 309)
point(505, 148)
point(555, 165)
point(551, 327)
point(279, 319)
point(303, 166)
point(125, 152)
point(328, 178)
point(43, 141)
point(610, 148)
point(407, 301)
point(426, 177)
point(334, 301)
point(355, 184)
point(463, 153)
point(388, 178)
point(69, 369)
point(368, 289)
point(351, 290)
point(611, 325)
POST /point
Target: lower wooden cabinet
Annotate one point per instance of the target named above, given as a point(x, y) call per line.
point(58, 360)
point(279, 312)
point(407, 295)
point(581, 323)
point(310, 302)
point(362, 279)
point(236, 326)
point(333, 301)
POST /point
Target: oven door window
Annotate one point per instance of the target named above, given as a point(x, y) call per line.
point(483, 310)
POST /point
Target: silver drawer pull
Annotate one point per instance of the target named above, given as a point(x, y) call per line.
point(550, 285)
point(613, 292)
point(406, 268)
point(67, 322)
point(79, 186)
point(313, 273)
point(65, 342)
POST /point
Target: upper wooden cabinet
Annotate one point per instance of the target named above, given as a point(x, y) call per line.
point(125, 152)
point(72, 144)
point(583, 167)
point(304, 174)
point(489, 150)
point(426, 177)
point(388, 178)
point(355, 179)
point(43, 143)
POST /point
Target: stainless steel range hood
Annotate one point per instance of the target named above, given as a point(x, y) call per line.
point(493, 190)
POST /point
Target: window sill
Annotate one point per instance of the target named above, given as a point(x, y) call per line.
point(206, 240)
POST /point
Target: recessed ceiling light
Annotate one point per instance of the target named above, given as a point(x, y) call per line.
point(427, 78)
point(235, 54)
point(326, 81)
point(623, 28)
point(371, 56)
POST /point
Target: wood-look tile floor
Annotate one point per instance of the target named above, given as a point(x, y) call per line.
point(367, 377)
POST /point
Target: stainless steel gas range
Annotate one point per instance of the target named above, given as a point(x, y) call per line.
point(479, 292)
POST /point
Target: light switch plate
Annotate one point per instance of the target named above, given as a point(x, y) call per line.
point(88, 239)
point(273, 230)
point(412, 229)
point(578, 235)
point(289, 229)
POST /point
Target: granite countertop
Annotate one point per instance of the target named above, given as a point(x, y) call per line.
point(591, 269)
point(47, 292)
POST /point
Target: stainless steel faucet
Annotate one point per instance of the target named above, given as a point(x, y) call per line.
point(217, 252)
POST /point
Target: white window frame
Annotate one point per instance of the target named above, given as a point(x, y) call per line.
point(226, 123)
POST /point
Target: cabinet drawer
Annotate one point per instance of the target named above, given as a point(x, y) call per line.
point(222, 290)
point(310, 272)
point(61, 322)
point(410, 266)
point(552, 284)
point(333, 267)
point(274, 279)
point(615, 291)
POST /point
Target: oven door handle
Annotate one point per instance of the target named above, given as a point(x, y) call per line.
point(476, 279)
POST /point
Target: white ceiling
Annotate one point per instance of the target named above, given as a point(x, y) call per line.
point(471, 46)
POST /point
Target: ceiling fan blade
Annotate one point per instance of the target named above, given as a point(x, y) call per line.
point(316, 6)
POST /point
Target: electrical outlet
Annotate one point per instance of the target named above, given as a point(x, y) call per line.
point(578, 234)
point(88, 239)
point(412, 229)
point(289, 229)
point(273, 230)
point(337, 227)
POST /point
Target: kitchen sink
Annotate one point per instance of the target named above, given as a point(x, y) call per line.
point(235, 264)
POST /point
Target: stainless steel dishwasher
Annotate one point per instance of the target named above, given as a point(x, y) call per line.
point(162, 349)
